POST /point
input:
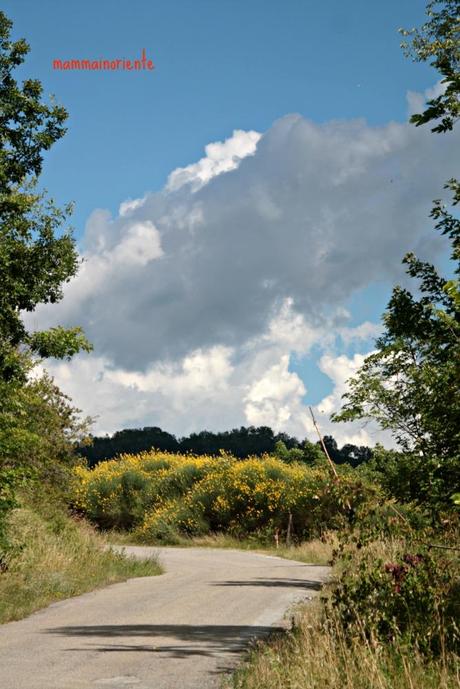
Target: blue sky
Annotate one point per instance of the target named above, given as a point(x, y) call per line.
point(222, 66)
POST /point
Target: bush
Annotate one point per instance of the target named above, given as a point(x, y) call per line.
point(7, 502)
point(315, 655)
point(10, 481)
point(409, 477)
point(171, 523)
point(38, 430)
point(399, 591)
point(159, 493)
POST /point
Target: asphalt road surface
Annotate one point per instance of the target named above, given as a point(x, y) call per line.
point(180, 630)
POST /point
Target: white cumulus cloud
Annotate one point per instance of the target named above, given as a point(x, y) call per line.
point(195, 297)
point(221, 156)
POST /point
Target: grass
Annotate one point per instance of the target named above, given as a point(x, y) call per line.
point(54, 557)
point(316, 655)
point(313, 657)
point(316, 551)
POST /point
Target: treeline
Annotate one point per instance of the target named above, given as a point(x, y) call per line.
point(240, 442)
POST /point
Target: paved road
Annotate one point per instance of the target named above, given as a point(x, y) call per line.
point(180, 630)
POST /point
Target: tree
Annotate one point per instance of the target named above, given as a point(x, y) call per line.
point(312, 453)
point(39, 430)
point(294, 454)
point(332, 448)
point(38, 426)
point(35, 259)
point(438, 41)
point(411, 383)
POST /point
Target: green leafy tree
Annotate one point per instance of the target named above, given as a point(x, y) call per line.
point(38, 425)
point(36, 259)
point(411, 383)
point(411, 478)
point(295, 454)
point(39, 429)
point(437, 41)
point(312, 453)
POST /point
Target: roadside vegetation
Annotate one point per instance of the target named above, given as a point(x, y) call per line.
point(163, 498)
point(391, 616)
point(315, 654)
point(52, 556)
point(388, 619)
point(45, 553)
point(389, 523)
point(317, 551)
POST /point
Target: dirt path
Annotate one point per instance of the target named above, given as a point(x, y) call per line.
point(180, 630)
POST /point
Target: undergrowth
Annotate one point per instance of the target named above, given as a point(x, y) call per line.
point(52, 556)
point(315, 655)
point(389, 618)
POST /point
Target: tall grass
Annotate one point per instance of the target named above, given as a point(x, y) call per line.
point(316, 551)
point(54, 557)
point(387, 620)
point(316, 656)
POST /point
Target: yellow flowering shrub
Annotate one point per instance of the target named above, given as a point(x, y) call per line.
point(163, 496)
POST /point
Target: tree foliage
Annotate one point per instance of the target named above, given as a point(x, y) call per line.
point(240, 442)
point(415, 479)
point(38, 426)
point(39, 429)
point(36, 259)
point(438, 41)
point(411, 383)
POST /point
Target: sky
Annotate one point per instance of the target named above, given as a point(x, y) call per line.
point(241, 209)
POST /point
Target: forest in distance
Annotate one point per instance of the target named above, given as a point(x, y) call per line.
point(240, 442)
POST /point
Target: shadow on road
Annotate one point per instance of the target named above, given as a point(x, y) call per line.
point(204, 640)
point(278, 583)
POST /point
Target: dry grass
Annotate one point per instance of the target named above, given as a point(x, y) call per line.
point(310, 657)
point(55, 558)
point(318, 552)
point(315, 551)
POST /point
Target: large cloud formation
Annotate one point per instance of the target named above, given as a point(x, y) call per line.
point(195, 296)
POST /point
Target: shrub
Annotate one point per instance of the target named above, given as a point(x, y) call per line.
point(315, 655)
point(399, 591)
point(7, 503)
point(409, 477)
point(156, 492)
point(171, 523)
point(10, 481)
